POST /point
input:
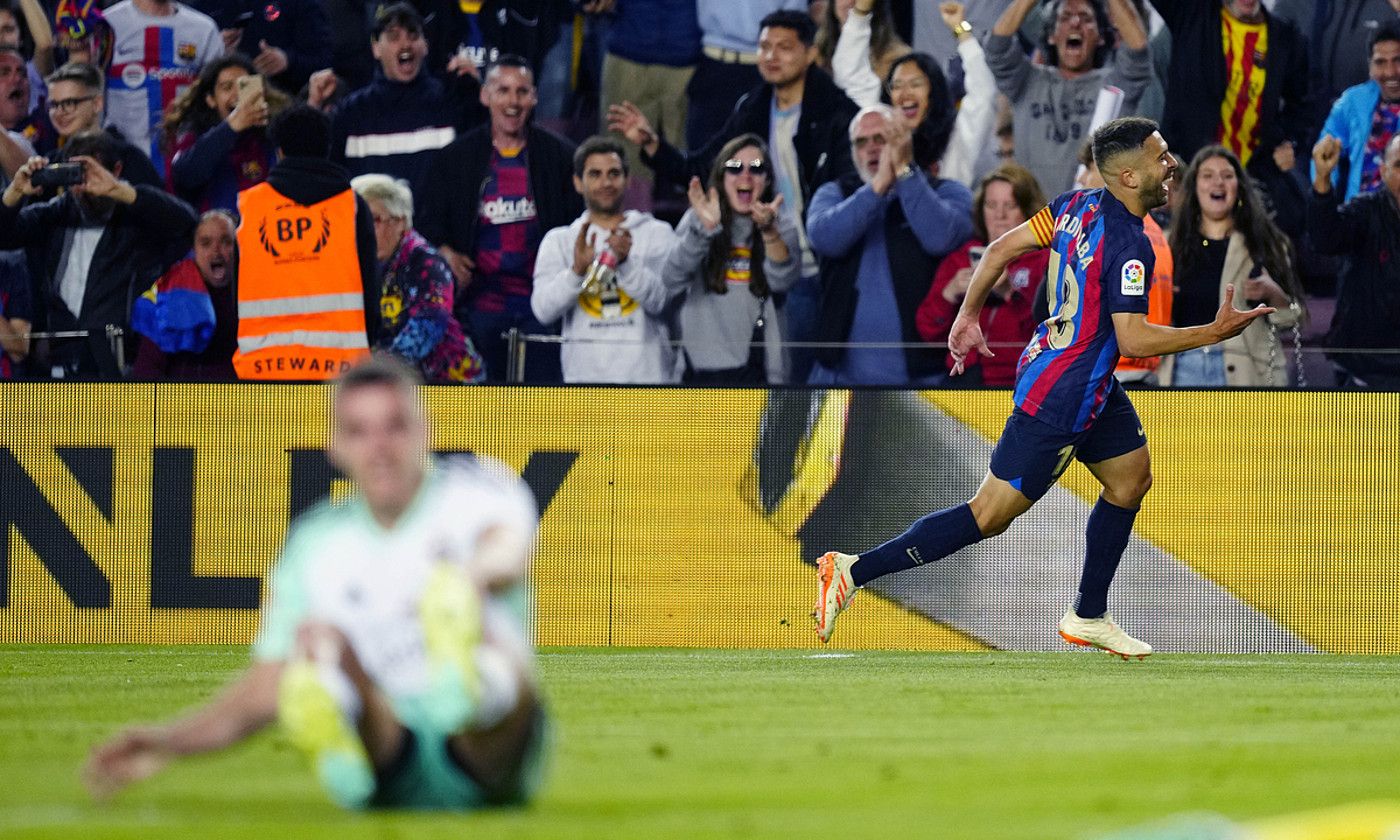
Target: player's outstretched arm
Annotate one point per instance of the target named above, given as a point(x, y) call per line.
point(243, 708)
point(1138, 338)
point(966, 334)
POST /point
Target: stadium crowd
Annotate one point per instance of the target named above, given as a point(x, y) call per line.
point(707, 191)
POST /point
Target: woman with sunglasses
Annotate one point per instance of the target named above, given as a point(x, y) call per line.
point(733, 251)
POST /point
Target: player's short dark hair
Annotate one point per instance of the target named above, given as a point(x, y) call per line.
point(84, 75)
point(799, 22)
point(509, 60)
point(1388, 31)
point(1125, 134)
point(96, 144)
point(402, 15)
point(380, 369)
point(598, 145)
point(301, 131)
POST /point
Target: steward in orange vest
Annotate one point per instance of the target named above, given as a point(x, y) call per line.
point(308, 292)
point(1159, 304)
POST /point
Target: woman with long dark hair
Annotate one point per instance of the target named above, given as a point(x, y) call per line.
point(1223, 235)
point(948, 136)
point(733, 251)
point(856, 40)
point(216, 134)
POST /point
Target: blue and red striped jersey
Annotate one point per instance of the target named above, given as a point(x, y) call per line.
point(1100, 263)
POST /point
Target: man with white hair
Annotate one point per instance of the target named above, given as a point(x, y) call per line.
point(879, 235)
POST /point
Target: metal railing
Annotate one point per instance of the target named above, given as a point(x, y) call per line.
point(519, 341)
point(115, 335)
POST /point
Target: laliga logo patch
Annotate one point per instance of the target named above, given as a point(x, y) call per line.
point(1134, 277)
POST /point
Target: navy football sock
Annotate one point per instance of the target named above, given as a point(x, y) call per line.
point(1105, 538)
point(931, 538)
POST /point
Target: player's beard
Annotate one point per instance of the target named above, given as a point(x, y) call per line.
point(1152, 196)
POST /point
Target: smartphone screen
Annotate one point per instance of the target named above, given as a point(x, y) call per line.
point(249, 87)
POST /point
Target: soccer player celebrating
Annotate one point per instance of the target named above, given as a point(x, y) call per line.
point(1068, 403)
point(394, 648)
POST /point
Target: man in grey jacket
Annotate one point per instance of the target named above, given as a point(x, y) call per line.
point(1053, 103)
point(601, 276)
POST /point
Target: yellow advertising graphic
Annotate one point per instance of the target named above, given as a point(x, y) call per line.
point(152, 513)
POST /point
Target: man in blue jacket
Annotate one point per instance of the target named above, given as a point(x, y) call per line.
point(880, 235)
point(1367, 115)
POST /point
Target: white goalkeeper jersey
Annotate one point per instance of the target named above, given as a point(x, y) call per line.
point(340, 566)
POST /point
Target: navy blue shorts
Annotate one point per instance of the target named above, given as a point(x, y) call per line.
point(1031, 454)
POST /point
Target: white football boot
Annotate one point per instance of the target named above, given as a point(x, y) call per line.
point(835, 589)
point(1102, 633)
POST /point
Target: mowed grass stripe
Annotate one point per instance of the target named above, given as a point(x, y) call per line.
point(740, 743)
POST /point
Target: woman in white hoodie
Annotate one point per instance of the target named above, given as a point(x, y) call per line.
point(733, 252)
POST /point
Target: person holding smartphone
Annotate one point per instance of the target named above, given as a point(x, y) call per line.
point(216, 133)
point(100, 243)
point(1005, 198)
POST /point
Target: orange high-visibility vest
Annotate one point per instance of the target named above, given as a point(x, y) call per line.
point(1159, 298)
point(301, 305)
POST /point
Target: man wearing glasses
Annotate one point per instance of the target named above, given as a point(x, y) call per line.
point(1053, 103)
point(75, 107)
point(880, 234)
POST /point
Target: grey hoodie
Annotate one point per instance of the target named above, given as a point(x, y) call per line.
point(1052, 114)
point(716, 329)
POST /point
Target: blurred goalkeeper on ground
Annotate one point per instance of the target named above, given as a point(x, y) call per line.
point(394, 648)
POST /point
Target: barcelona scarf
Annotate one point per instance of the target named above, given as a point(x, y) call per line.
point(176, 312)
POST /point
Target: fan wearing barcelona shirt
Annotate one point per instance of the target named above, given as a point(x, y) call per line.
point(158, 49)
point(1068, 403)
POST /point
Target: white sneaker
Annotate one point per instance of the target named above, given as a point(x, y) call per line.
point(1101, 633)
point(835, 589)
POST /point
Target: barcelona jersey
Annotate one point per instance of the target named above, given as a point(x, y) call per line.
point(1100, 263)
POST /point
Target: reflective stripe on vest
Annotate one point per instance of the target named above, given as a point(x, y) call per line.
point(301, 309)
point(299, 305)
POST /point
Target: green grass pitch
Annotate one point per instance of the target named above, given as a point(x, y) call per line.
point(687, 744)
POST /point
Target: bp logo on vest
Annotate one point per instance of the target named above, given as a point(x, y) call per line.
point(288, 235)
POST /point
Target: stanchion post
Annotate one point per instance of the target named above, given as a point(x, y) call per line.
point(515, 356)
point(115, 335)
